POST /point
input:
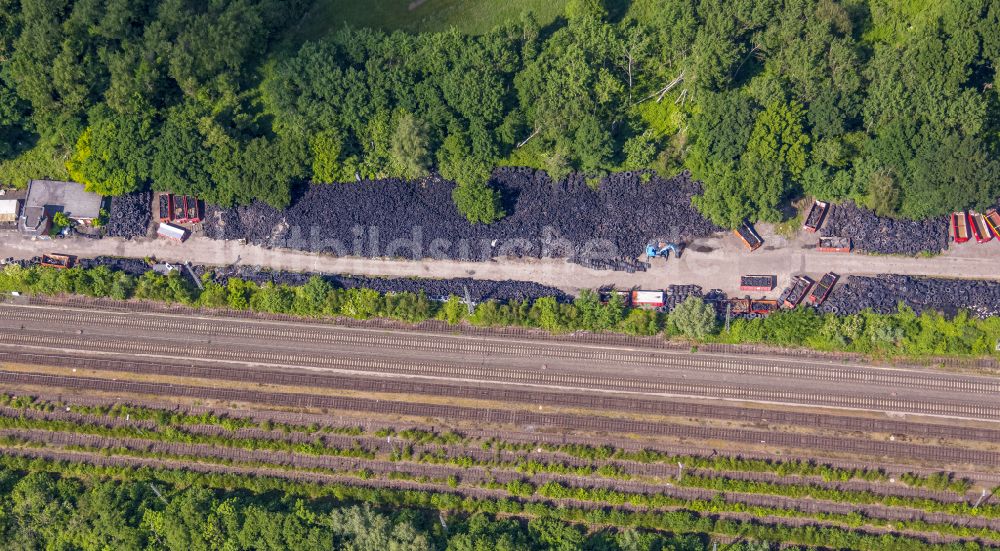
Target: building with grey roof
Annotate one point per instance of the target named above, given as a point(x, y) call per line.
point(47, 197)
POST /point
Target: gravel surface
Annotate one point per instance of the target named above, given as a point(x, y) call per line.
point(130, 214)
point(545, 218)
point(882, 294)
point(851, 295)
point(875, 234)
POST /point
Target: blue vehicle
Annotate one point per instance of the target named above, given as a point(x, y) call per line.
point(655, 249)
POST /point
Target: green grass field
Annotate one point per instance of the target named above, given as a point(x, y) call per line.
point(468, 16)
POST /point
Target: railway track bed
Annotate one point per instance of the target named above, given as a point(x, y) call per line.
point(862, 447)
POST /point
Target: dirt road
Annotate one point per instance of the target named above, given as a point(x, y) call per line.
point(714, 263)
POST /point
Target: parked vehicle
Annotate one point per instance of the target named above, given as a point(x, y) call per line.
point(61, 261)
point(650, 299)
point(980, 230)
point(823, 288)
point(662, 249)
point(817, 213)
point(960, 229)
point(761, 283)
point(834, 245)
point(748, 235)
point(796, 291)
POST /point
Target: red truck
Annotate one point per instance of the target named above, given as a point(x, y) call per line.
point(823, 288)
point(817, 213)
point(761, 283)
point(980, 230)
point(799, 288)
point(834, 245)
point(960, 228)
point(748, 235)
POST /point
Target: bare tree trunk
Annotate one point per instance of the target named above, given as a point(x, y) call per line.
point(663, 91)
point(528, 138)
point(670, 85)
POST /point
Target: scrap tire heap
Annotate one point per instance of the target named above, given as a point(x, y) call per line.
point(131, 266)
point(130, 215)
point(414, 219)
point(438, 289)
point(876, 234)
point(884, 292)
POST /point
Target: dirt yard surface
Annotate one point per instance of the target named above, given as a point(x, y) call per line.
point(713, 263)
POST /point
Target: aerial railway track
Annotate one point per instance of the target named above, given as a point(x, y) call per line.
point(600, 402)
point(660, 469)
point(496, 374)
point(482, 475)
point(312, 333)
point(940, 456)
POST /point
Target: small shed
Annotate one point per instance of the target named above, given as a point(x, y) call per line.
point(9, 210)
point(170, 231)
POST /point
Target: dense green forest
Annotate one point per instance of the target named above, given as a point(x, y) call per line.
point(43, 510)
point(888, 102)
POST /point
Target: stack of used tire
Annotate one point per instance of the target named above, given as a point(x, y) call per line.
point(254, 222)
point(132, 266)
point(876, 234)
point(544, 218)
point(438, 289)
point(884, 293)
point(676, 294)
point(130, 215)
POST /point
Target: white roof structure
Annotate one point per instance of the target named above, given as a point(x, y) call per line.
point(8, 210)
point(648, 297)
point(171, 231)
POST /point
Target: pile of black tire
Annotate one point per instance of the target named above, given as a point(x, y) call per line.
point(132, 266)
point(129, 215)
point(676, 294)
point(544, 218)
point(437, 289)
point(884, 292)
point(876, 234)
